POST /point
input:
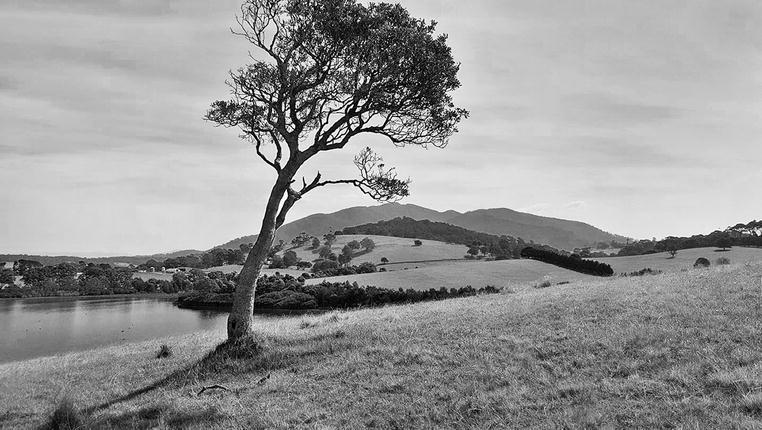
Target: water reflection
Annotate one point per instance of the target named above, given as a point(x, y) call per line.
point(46, 326)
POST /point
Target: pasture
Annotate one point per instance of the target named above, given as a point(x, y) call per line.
point(682, 261)
point(503, 273)
point(678, 350)
point(395, 249)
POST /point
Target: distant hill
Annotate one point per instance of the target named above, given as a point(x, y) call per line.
point(556, 232)
point(51, 260)
point(559, 233)
point(319, 224)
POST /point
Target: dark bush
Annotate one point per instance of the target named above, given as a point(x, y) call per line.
point(701, 262)
point(590, 267)
point(164, 351)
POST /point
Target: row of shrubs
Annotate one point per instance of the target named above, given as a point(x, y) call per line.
point(286, 292)
point(590, 267)
point(325, 268)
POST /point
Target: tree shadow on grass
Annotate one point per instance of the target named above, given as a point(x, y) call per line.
point(247, 356)
point(155, 416)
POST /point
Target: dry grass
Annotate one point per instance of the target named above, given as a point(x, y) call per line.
point(394, 249)
point(680, 350)
point(682, 261)
point(503, 273)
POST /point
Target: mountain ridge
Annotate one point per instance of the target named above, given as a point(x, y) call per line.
point(557, 232)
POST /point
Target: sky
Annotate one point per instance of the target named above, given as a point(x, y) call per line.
point(641, 118)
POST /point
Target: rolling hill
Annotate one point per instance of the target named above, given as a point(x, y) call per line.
point(559, 233)
point(682, 261)
point(478, 274)
point(395, 249)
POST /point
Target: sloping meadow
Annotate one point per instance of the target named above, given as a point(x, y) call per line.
point(671, 350)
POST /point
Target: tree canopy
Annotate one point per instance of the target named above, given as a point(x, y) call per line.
point(322, 73)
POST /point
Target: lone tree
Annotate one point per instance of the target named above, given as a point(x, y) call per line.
point(324, 72)
point(367, 244)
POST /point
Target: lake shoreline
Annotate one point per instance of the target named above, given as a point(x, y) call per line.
point(79, 296)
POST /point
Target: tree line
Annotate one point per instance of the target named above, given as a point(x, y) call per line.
point(287, 292)
point(749, 234)
point(573, 262)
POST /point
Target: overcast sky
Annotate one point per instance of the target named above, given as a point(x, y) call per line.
point(641, 118)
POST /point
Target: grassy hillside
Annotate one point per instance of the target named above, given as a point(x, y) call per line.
point(683, 260)
point(503, 273)
point(393, 248)
point(680, 350)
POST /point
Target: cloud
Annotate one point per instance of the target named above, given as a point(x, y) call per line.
point(603, 110)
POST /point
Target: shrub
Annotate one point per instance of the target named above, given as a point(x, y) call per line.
point(641, 272)
point(164, 351)
point(722, 261)
point(544, 284)
point(66, 417)
point(417, 243)
point(701, 262)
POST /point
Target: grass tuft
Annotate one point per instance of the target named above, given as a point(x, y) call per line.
point(66, 417)
point(752, 404)
point(164, 351)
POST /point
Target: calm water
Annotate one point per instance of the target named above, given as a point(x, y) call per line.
point(47, 326)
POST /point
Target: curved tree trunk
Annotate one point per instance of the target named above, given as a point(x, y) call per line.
point(241, 316)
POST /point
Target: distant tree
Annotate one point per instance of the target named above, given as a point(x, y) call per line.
point(300, 240)
point(384, 260)
point(324, 251)
point(724, 243)
point(368, 244)
point(473, 251)
point(6, 276)
point(672, 250)
point(290, 258)
point(353, 245)
point(344, 259)
point(276, 262)
point(329, 239)
point(315, 243)
point(245, 248)
point(417, 243)
point(347, 250)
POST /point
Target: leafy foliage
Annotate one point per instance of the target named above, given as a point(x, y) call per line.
point(590, 267)
point(287, 292)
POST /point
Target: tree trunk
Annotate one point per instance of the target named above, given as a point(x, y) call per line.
point(241, 316)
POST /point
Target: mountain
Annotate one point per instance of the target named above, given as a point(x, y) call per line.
point(555, 232)
point(52, 260)
point(320, 224)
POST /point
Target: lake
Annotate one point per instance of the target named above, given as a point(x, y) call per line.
point(37, 327)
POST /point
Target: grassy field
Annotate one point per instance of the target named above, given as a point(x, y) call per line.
point(683, 260)
point(503, 273)
point(679, 350)
point(393, 248)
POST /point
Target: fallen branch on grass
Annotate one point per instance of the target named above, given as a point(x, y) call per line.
point(212, 387)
